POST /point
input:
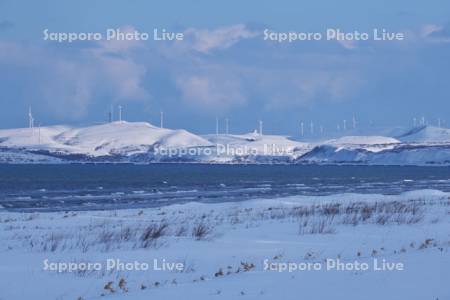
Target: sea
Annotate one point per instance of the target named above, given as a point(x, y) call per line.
point(27, 188)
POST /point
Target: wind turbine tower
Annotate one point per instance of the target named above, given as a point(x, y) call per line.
point(345, 125)
point(217, 126)
point(302, 129)
point(111, 114)
point(39, 133)
point(354, 122)
point(312, 127)
point(227, 127)
point(120, 113)
point(30, 118)
point(161, 119)
point(260, 127)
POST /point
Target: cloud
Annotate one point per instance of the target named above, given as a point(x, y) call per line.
point(307, 86)
point(211, 93)
point(207, 72)
point(70, 79)
point(205, 40)
point(332, 85)
point(436, 33)
point(68, 84)
point(348, 44)
point(116, 62)
point(273, 77)
point(119, 45)
point(5, 25)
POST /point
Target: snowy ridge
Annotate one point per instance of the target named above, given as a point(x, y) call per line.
point(420, 146)
point(140, 142)
point(261, 144)
point(363, 140)
point(99, 140)
point(427, 134)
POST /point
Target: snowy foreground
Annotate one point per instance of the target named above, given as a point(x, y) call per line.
point(140, 142)
point(392, 247)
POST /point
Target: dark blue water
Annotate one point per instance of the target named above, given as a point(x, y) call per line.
point(108, 186)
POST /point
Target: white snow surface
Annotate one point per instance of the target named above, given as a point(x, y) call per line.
point(427, 134)
point(229, 262)
point(260, 144)
point(105, 139)
point(137, 141)
point(363, 140)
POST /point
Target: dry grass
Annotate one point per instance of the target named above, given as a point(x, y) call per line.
point(112, 233)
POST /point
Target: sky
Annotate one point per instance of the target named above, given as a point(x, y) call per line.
point(223, 67)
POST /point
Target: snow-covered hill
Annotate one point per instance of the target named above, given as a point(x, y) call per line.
point(259, 144)
point(363, 140)
point(117, 138)
point(426, 134)
point(401, 154)
point(368, 143)
point(140, 142)
point(418, 146)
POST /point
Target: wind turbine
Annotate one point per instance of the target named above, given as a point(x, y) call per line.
point(30, 118)
point(120, 113)
point(354, 122)
point(227, 127)
point(302, 129)
point(345, 125)
point(217, 126)
point(39, 132)
point(111, 114)
point(312, 127)
point(161, 119)
point(260, 127)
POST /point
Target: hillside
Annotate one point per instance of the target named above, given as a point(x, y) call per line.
point(426, 134)
point(256, 144)
point(100, 140)
point(140, 142)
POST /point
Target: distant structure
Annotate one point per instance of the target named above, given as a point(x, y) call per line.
point(111, 114)
point(321, 130)
point(120, 113)
point(227, 127)
point(414, 122)
point(302, 129)
point(260, 127)
point(423, 121)
point(312, 127)
point(345, 125)
point(354, 122)
point(439, 122)
point(30, 119)
point(217, 126)
point(39, 133)
point(161, 119)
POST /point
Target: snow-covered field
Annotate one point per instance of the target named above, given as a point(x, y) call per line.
point(246, 250)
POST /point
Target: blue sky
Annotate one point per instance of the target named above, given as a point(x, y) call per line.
point(224, 67)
